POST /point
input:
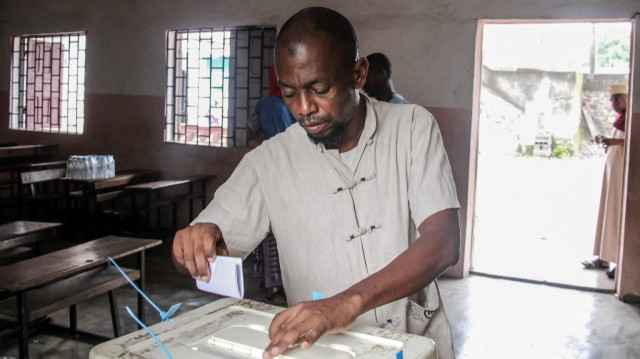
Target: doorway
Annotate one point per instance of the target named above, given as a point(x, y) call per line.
point(543, 96)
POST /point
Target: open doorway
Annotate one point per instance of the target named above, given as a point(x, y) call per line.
point(543, 97)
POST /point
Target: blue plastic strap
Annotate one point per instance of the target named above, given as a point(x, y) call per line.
point(399, 355)
point(163, 315)
point(150, 332)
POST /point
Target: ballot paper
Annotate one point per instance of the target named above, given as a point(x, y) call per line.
point(226, 277)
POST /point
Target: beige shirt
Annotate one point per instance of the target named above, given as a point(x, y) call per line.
point(335, 226)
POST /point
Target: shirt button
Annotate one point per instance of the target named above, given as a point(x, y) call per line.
point(363, 231)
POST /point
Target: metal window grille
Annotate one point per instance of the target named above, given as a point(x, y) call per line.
point(215, 77)
point(47, 83)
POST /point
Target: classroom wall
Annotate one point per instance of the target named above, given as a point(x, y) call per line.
point(431, 44)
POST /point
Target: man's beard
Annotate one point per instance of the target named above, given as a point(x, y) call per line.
point(330, 141)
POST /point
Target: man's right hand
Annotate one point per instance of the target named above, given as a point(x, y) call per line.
point(195, 246)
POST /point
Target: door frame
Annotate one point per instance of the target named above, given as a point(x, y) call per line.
point(625, 278)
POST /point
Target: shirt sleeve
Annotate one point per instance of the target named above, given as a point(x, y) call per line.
point(239, 209)
point(431, 185)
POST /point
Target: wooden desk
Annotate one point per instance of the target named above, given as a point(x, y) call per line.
point(10, 150)
point(10, 155)
point(88, 190)
point(21, 277)
point(22, 233)
point(154, 194)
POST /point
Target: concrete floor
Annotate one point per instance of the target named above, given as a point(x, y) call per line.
point(490, 318)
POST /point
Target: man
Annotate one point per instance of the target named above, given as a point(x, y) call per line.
point(608, 227)
point(358, 193)
point(378, 82)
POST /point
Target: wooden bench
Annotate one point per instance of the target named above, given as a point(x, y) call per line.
point(163, 193)
point(67, 293)
point(22, 239)
point(52, 281)
point(14, 185)
point(98, 205)
point(44, 190)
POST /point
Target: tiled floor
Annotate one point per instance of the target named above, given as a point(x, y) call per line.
point(490, 318)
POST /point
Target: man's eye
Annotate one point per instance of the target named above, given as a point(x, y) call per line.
point(321, 91)
point(288, 94)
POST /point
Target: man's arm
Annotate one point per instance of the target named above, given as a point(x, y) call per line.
point(434, 251)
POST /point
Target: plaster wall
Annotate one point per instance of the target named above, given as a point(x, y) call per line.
point(431, 44)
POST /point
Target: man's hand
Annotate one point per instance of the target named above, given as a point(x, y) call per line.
point(306, 322)
point(195, 246)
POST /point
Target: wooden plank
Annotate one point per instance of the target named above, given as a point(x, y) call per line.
point(62, 294)
point(108, 196)
point(156, 185)
point(42, 175)
point(60, 264)
point(22, 228)
point(76, 289)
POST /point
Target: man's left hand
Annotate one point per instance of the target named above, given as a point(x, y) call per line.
point(306, 322)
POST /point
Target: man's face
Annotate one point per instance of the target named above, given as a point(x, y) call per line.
point(318, 89)
point(619, 102)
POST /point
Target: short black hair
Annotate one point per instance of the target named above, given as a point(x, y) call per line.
point(323, 22)
point(378, 60)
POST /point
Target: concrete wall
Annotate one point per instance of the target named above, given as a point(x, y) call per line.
point(431, 44)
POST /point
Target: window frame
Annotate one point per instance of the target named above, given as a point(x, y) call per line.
point(242, 79)
point(47, 90)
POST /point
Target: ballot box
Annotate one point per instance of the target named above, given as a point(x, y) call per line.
point(232, 328)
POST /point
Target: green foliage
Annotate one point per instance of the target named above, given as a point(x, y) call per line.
point(562, 150)
point(611, 52)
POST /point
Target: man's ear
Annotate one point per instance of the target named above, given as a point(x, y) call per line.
point(360, 69)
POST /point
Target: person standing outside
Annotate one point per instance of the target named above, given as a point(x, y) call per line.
point(609, 216)
point(378, 82)
point(359, 194)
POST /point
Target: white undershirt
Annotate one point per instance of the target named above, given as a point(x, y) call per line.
point(348, 157)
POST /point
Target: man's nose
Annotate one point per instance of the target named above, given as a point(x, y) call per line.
point(306, 104)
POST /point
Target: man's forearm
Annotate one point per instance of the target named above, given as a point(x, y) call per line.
point(436, 250)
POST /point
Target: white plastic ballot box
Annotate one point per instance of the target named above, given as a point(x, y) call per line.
point(231, 328)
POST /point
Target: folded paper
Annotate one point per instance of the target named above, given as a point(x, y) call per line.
point(226, 277)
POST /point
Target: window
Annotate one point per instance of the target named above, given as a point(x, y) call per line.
point(214, 79)
point(47, 83)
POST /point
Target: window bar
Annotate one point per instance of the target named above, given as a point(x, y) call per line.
point(30, 83)
point(73, 79)
point(185, 85)
point(24, 54)
point(228, 112)
point(37, 82)
point(46, 85)
point(65, 84)
point(225, 121)
point(82, 47)
point(247, 72)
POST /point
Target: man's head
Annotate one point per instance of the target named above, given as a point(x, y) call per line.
point(319, 72)
point(378, 84)
point(618, 97)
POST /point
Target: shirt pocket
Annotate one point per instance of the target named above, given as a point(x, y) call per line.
point(419, 315)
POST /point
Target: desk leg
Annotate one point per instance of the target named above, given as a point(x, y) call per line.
point(23, 326)
point(204, 194)
point(141, 281)
point(191, 196)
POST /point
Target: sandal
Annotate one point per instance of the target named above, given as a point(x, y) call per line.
point(611, 273)
point(597, 263)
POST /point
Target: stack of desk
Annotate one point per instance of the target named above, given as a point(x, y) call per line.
point(60, 279)
point(17, 237)
point(13, 160)
point(101, 202)
point(157, 194)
